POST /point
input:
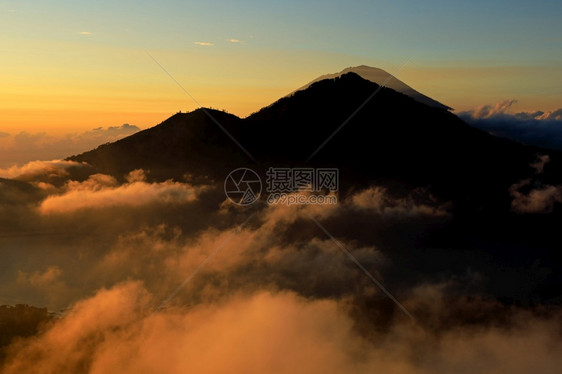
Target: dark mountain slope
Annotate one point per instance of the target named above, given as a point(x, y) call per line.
point(392, 137)
point(186, 143)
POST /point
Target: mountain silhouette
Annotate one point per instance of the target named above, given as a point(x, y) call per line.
point(186, 143)
point(390, 140)
point(393, 138)
point(383, 78)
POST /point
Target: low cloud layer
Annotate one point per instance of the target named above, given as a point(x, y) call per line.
point(275, 332)
point(35, 169)
point(543, 129)
point(24, 147)
point(102, 191)
point(171, 277)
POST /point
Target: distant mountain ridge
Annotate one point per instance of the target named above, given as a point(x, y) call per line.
point(383, 78)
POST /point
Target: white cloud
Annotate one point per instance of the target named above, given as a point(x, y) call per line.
point(376, 199)
point(102, 191)
point(38, 168)
point(205, 44)
point(487, 111)
point(24, 147)
point(234, 40)
point(85, 33)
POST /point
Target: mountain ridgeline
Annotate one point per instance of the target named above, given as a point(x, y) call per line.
point(392, 139)
point(382, 78)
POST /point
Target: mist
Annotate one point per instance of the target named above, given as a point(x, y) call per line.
point(180, 279)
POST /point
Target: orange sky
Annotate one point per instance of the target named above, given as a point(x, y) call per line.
point(42, 102)
point(70, 68)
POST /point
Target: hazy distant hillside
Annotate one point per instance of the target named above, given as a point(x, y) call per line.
point(381, 77)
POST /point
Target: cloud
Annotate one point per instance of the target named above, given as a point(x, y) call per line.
point(543, 129)
point(24, 147)
point(205, 44)
point(85, 33)
point(276, 295)
point(137, 175)
point(234, 40)
point(111, 132)
point(279, 332)
point(378, 200)
point(35, 169)
point(173, 226)
point(539, 199)
point(40, 279)
point(4, 134)
point(541, 162)
point(531, 196)
point(102, 191)
point(45, 281)
point(487, 111)
point(555, 115)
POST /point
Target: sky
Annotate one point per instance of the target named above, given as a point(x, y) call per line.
point(74, 66)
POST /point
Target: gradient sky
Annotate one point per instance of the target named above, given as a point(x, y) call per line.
point(70, 66)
